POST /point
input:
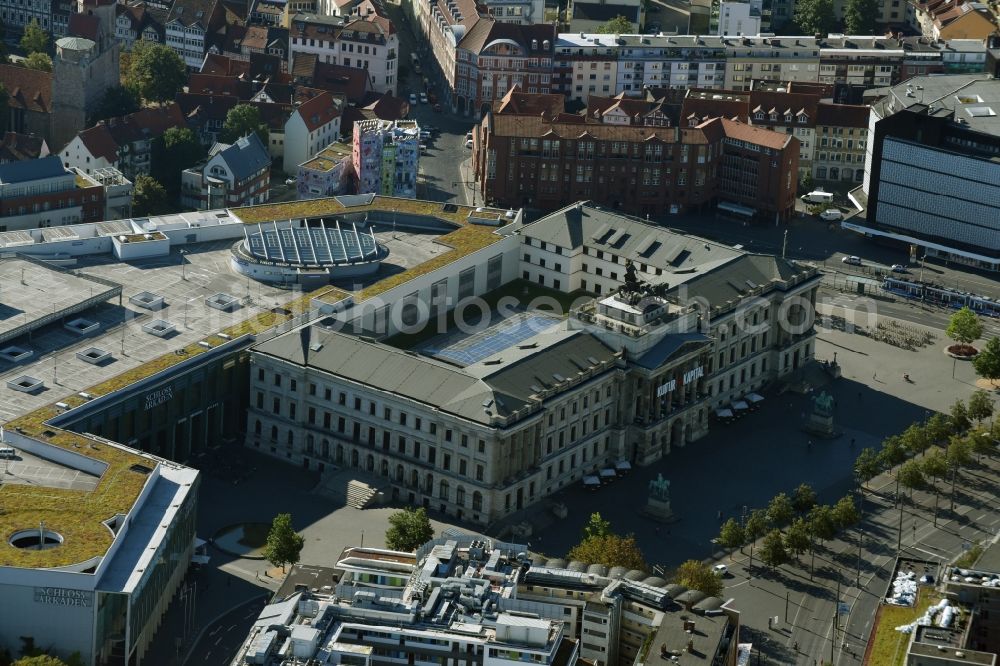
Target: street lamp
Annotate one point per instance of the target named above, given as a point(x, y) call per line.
point(183, 264)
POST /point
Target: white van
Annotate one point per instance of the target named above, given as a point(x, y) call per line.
point(7, 452)
point(818, 196)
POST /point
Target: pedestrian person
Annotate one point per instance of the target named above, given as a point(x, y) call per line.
point(874, 375)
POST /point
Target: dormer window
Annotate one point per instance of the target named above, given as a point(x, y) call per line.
point(759, 115)
point(803, 118)
point(774, 117)
point(788, 117)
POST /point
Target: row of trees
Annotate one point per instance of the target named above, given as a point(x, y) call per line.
point(818, 17)
point(961, 435)
point(790, 525)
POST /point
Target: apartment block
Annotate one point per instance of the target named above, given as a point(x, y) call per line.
point(386, 157)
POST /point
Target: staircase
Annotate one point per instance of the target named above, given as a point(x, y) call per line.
point(352, 487)
point(360, 494)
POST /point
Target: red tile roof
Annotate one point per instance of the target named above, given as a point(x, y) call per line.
point(319, 111)
point(106, 137)
point(755, 135)
point(350, 82)
point(215, 84)
point(29, 89)
point(516, 101)
point(87, 26)
point(200, 108)
point(15, 147)
point(99, 142)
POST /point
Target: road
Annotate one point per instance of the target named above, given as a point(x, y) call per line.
point(440, 177)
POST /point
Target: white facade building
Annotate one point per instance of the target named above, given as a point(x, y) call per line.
point(738, 18)
point(311, 127)
point(368, 43)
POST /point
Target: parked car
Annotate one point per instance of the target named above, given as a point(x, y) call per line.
point(437, 108)
point(413, 99)
point(468, 144)
point(423, 98)
point(852, 260)
point(290, 181)
point(720, 570)
point(818, 196)
point(899, 268)
point(831, 215)
point(468, 136)
point(432, 97)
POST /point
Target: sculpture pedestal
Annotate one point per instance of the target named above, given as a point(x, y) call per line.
point(660, 510)
point(821, 426)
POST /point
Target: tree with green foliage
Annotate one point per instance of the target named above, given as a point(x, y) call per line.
point(964, 327)
point(980, 406)
point(867, 466)
point(731, 535)
point(804, 498)
point(610, 550)
point(178, 149)
point(987, 362)
point(244, 119)
point(911, 476)
point(935, 466)
point(981, 443)
point(938, 428)
point(155, 71)
point(915, 439)
point(596, 527)
point(40, 660)
point(409, 529)
point(772, 550)
point(148, 197)
point(958, 418)
point(780, 511)
point(39, 61)
point(284, 544)
point(34, 39)
point(861, 16)
point(821, 521)
point(958, 455)
point(815, 17)
point(798, 539)
point(696, 575)
point(845, 512)
point(116, 102)
point(756, 525)
point(892, 452)
point(619, 25)
point(806, 183)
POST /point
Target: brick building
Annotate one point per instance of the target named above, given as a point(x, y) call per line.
point(637, 162)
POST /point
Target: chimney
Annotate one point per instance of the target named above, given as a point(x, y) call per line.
point(305, 334)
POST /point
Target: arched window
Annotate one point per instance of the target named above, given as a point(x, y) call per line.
point(477, 501)
point(443, 490)
point(460, 496)
point(257, 427)
point(290, 439)
point(274, 433)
